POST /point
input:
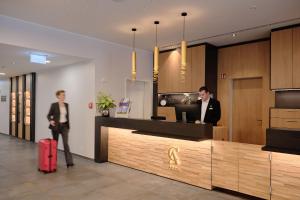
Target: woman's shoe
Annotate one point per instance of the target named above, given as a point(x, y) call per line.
point(70, 165)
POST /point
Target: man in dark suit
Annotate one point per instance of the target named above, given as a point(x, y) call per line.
point(210, 108)
point(58, 117)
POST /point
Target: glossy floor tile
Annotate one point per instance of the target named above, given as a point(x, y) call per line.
point(20, 179)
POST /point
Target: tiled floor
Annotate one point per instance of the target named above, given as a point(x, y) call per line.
point(19, 179)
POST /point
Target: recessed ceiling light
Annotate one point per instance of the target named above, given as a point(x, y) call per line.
point(233, 34)
point(118, 1)
point(13, 62)
point(2, 74)
point(47, 61)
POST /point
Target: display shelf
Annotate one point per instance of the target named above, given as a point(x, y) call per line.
point(27, 107)
point(13, 107)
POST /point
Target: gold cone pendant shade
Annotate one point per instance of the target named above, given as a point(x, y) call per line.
point(183, 62)
point(156, 55)
point(133, 58)
point(133, 67)
point(183, 53)
point(156, 62)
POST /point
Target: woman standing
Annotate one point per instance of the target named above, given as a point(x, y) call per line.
point(58, 117)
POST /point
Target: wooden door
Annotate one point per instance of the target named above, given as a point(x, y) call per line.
point(296, 57)
point(281, 59)
point(247, 111)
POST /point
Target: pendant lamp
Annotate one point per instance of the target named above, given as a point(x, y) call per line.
point(133, 57)
point(156, 54)
point(183, 50)
point(183, 42)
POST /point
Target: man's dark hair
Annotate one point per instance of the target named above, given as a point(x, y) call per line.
point(203, 88)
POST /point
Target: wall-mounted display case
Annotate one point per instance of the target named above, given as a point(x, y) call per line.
point(27, 107)
point(13, 107)
point(22, 107)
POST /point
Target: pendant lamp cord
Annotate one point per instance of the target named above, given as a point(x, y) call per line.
point(133, 42)
point(155, 34)
point(183, 32)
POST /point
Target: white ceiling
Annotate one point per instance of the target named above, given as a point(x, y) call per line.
point(112, 20)
point(16, 60)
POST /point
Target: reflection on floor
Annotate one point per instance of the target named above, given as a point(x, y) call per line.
point(19, 179)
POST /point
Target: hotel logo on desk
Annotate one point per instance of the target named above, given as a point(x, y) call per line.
point(174, 161)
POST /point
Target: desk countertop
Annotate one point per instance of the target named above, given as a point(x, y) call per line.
point(185, 131)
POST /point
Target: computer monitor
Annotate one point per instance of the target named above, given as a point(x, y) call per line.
point(191, 112)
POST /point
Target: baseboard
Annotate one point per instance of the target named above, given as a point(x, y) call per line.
point(57, 149)
point(78, 155)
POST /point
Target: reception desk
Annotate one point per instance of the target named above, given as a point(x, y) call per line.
point(188, 153)
point(178, 151)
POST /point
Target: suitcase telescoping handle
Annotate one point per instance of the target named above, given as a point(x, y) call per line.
point(50, 154)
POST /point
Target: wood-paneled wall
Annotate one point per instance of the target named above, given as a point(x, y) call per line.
point(285, 58)
point(168, 112)
point(239, 62)
point(169, 73)
point(282, 59)
point(296, 57)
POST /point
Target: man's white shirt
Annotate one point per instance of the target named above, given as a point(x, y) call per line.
point(203, 109)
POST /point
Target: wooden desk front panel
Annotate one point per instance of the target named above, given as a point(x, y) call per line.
point(220, 133)
point(254, 171)
point(150, 154)
point(285, 176)
point(241, 167)
point(225, 165)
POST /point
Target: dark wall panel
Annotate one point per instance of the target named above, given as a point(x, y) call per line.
point(287, 99)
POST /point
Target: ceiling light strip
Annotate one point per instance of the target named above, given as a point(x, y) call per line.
point(176, 45)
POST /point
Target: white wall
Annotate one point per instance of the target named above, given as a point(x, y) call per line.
point(4, 106)
point(119, 60)
point(112, 61)
point(79, 84)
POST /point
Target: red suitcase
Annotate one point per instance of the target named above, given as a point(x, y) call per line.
point(47, 155)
